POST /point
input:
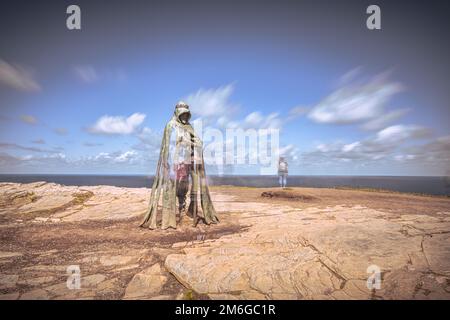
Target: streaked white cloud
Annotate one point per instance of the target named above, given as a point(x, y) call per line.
point(350, 75)
point(126, 156)
point(212, 103)
point(435, 151)
point(43, 158)
point(18, 77)
point(118, 124)
point(38, 141)
point(388, 143)
point(356, 102)
point(382, 120)
point(404, 157)
point(290, 152)
point(214, 107)
point(7, 161)
point(28, 119)
point(112, 158)
point(15, 146)
point(60, 162)
point(149, 140)
point(86, 74)
point(254, 118)
point(296, 112)
point(351, 146)
point(101, 156)
point(89, 74)
point(399, 133)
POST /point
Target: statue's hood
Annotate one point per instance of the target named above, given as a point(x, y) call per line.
point(181, 108)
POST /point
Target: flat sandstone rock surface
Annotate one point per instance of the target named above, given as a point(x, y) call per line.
point(297, 243)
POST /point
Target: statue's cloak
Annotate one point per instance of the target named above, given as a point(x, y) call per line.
point(179, 143)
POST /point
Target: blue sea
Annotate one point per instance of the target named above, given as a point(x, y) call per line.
point(426, 185)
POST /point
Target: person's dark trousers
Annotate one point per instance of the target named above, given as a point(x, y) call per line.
point(282, 179)
point(182, 189)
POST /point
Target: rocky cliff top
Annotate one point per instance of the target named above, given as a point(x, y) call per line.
point(298, 243)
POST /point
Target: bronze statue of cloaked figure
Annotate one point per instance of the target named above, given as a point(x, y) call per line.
point(180, 168)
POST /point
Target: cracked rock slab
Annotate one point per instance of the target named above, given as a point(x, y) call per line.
point(53, 203)
point(8, 280)
point(305, 254)
point(146, 283)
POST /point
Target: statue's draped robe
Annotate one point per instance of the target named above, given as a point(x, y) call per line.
point(179, 143)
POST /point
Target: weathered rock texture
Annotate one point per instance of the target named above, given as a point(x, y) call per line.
point(43, 202)
point(321, 254)
point(307, 244)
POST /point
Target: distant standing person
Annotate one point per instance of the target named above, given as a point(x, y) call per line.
point(282, 172)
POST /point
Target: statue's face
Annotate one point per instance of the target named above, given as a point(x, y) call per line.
point(184, 118)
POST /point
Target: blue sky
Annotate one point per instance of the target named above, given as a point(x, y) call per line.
point(347, 101)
